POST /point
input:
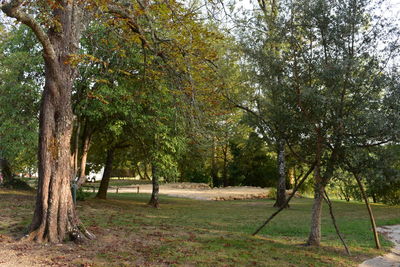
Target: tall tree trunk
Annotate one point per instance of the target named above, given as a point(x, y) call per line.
point(314, 238)
point(154, 195)
point(281, 188)
point(54, 216)
point(371, 215)
point(225, 166)
point(85, 151)
point(76, 150)
point(102, 193)
point(214, 171)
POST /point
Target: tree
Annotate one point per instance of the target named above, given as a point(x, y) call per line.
point(338, 87)
point(335, 86)
point(20, 81)
point(265, 53)
point(55, 216)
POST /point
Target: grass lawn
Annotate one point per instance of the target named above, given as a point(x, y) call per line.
point(188, 232)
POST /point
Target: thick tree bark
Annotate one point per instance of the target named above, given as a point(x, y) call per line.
point(102, 193)
point(55, 217)
point(154, 195)
point(281, 187)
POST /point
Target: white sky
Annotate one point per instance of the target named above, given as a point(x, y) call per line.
point(393, 5)
point(393, 8)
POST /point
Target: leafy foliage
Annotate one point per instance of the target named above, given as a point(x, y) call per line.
point(21, 76)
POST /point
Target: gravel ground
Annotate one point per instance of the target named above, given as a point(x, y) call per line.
point(391, 259)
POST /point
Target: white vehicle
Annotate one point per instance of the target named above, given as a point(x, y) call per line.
point(95, 176)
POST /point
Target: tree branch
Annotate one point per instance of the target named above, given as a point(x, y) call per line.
point(12, 9)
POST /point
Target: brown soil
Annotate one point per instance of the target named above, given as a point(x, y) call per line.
point(119, 246)
point(203, 191)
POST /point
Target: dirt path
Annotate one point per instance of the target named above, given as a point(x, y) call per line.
point(391, 259)
point(203, 192)
point(16, 254)
point(11, 258)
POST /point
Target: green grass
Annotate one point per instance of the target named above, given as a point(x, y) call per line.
point(188, 232)
point(221, 230)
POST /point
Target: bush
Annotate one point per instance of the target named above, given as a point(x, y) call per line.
point(392, 197)
point(82, 195)
point(17, 184)
point(272, 193)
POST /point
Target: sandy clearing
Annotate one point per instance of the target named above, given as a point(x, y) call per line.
point(391, 259)
point(227, 193)
point(13, 256)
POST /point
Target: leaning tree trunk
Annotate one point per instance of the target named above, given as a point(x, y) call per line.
point(156, 188)
point(371, 215)
point(54, 217)
point(281, 188)
point(102, 193)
